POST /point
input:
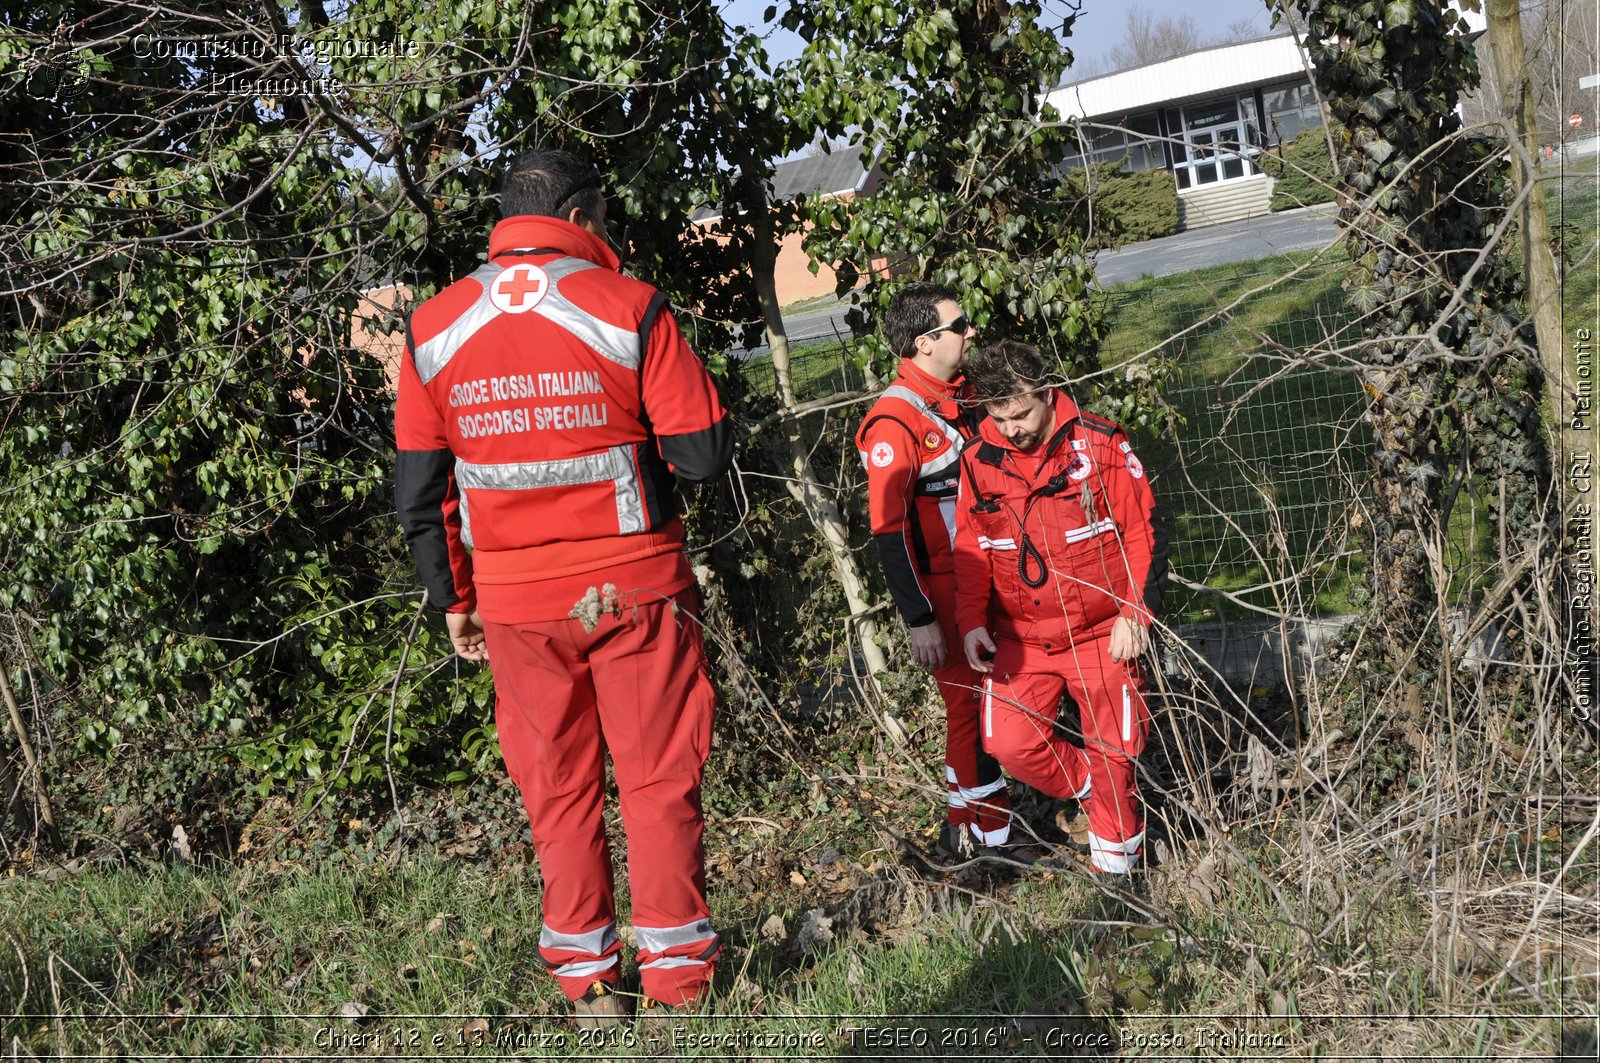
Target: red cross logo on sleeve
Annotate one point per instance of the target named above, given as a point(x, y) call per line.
point(519, 289)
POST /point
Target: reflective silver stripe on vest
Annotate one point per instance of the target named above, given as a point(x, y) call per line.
point(615, 466)
point(611, 342)
point(939, 466)
point(1099, 527)
point(433, 356)
point(466, 517)
point(614, 344)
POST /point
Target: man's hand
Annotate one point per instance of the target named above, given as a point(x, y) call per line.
point(927, 643)
point(1129, 639)
point(980, 650)
point(466, 634)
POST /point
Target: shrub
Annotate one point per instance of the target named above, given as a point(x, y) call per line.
point(1302, 170)
point(1128, 207)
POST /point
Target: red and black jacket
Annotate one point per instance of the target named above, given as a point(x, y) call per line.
point(910, 442)
point(545, 403)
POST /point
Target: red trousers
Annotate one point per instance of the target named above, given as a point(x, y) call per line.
point(637, 686)
point(976, 790)
point(1019, 712)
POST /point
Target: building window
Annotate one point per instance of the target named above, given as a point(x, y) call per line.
point(1289, 109)
point(1217, 144)
point(1132, 143)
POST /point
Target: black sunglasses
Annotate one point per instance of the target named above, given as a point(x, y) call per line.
point(959, 326)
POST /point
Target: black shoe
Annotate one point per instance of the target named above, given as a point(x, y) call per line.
point(956, 845)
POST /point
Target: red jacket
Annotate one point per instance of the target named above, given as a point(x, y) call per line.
point(540, 402)
point(909, 443)
point(1053, 546)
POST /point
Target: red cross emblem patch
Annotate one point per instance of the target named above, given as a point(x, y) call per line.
point(519, 289)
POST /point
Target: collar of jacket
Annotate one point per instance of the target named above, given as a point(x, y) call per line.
point(531, 230)
point(993, 448)
point(930, 387)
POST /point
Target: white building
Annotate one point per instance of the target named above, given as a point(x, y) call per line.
point(1205, 118)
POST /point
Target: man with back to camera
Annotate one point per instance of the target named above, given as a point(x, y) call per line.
point(1061, 559)
point(909, 443)
point(545, 402)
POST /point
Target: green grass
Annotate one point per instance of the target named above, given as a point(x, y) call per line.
point(241, 963)
point(1273, 308)
point(1249, 474)
point(1575, 204)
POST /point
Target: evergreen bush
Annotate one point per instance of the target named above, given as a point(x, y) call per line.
point(1127, 207)
point(1303, 173)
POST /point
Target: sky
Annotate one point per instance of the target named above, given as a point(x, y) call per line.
point(1100, 26)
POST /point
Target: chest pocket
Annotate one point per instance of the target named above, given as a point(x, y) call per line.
point(1083, 516)
point(997, 532)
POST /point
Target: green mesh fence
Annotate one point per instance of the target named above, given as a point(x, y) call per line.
point(1258, 478)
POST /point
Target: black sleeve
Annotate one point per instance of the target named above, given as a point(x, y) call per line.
point(895, 550)
point(423, 483)
point(703, 455)
point(1155, 580)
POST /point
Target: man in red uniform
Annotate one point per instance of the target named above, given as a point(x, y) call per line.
point(1061, 559)
point(545, 402)
point(909, 443)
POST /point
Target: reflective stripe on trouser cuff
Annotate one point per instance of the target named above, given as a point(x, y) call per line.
point(596, 951)
point(998, 836)
point(967, 796)
point(1115, 857)
point(961, 796)
point(654, 941)
point(584, 968)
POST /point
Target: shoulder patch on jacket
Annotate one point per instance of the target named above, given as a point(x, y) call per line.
point(1099, 424)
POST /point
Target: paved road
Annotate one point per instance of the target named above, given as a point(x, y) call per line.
point(1255, 238)
point(1216, 245)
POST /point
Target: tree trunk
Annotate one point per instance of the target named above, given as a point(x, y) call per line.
point(805, 488)
point(1507, 46)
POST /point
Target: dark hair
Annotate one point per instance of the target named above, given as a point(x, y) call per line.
point(1006, 369)
point(913, 311)
point(550, 183)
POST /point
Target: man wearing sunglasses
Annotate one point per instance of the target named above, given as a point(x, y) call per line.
point(546, 403)
point(910, 442)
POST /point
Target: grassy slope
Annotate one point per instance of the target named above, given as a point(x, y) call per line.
point(1249, 472)
point(1575, 202)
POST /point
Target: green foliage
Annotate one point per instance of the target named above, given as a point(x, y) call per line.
point(1453, 376)
point(196, 535)
point(1303, 172)
point(1117, 207)
point(947, 99)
